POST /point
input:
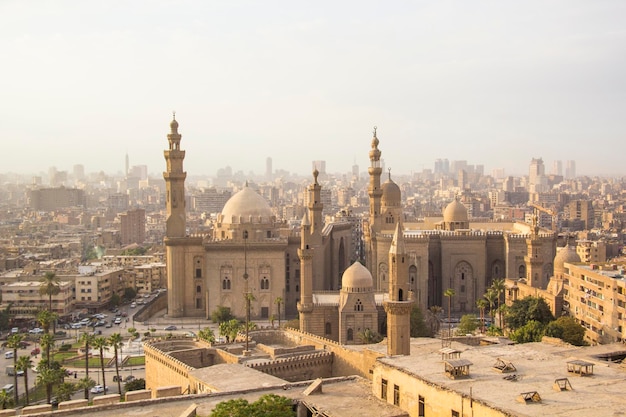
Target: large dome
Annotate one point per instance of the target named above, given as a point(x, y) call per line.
point(246, 206)
point(391, 194)
point(357, 278)
point(567, 254)
point(455, 212)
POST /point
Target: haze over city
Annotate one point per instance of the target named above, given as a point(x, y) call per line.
point(494, 83)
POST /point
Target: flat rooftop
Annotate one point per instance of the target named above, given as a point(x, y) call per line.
point(537, 365)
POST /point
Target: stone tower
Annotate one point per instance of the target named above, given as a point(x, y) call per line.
point(398, 305)
point(375, 193)
point(305, 253)
point(175, 228)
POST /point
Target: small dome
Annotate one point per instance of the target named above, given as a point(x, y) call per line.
point(392, 196)
point(567, 254)
point(455, 212)
point(357, 277)
point(174, 124)
point(244, 204)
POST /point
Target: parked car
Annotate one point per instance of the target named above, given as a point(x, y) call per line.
point(98, 389)
point(36, 330)
point(35, 351)
point(170, 327)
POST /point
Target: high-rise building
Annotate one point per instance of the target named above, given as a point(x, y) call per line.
point(570, 170)
point(537, 180)
point(78, 172)
point(582, 210)
point(557, 168)
point(48, 199)
point(133, 227)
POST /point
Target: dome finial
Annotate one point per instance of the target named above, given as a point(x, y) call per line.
point(246, 183)
point(316, 173)
point(375, 127)
point(389, 173)
point(173, 114)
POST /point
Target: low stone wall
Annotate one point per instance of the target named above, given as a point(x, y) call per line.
point(36, 409)
point(189, 411)
point(72, 404)
point(142, 394)
point(106, 399)
point(7, 413)
point(171, 391)
point(145, 312)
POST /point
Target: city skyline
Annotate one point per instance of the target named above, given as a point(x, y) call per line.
point(495, 85)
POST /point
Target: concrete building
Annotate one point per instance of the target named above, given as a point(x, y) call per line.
point(26, 301)
point(49, 199)
point(133, 227)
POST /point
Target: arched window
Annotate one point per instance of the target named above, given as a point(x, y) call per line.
point(226, 272)
point(521, 272)
point(358, 306)
point(327, 329)
point(350, 335)
point(265, 283)
point(413, 277)
point(400, 294)
point(198, 289)
point(226, 284)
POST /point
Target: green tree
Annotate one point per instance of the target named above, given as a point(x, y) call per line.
point(135, 385)
point(417, 323)
point(532, 331)
point(229, 329)
point(278, 301)
point(129, 293)
point(567, 329)
point(468, 324)
point(269, 405)
point(87, 340)
point(14, 342)
point(5, 398)
point(65, 391)
point(490, 297)
point(449, 293)
point(526, 309)
point(221, 314)
point(369, 336)
point(102, 344)
point(48, 375)
point(207, 335)
point(115, 340)
point(85, 384)
point(482, 306)
point(498, 286)
point(24, 363)
point(46, 318)
point(115, 299)
point(50, 286)
point(47, 343)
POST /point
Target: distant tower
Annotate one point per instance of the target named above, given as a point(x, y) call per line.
point(305, 253)
point(127, 168)
point(398, 305)
point(175, 226)
point(268, 168)
point(375, 193)
point(570, 170)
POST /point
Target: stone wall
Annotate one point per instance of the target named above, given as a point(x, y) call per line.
point(298, 368)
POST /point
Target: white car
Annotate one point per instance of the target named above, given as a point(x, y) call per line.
point(98, 389)
point(36, 330)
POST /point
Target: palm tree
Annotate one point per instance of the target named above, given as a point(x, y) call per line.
point(498, 286)
point(482, 305)
point(115, 340)
point(45, 318)
point(5, 398)
point(13, 342)
point(86, 384)
point(87, 339)
point(50, 286)
point(491, 296)
point(101, 344)
point(278, 302)
point(47, 343)
point(449, 293)
point(48, 376)
point(24, 363)
point(368, 336)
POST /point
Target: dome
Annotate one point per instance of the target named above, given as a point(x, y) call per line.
point(455, 212)
point(392, 195)
point(245, 204)
point(357, 277)
point(567, 254)
point(174, 124)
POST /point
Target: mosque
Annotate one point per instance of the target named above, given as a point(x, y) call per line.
point(250, 255)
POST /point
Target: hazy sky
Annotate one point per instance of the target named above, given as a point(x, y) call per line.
point(491, 82)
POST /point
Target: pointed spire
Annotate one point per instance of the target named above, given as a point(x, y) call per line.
point(397, 243)
point(316, 173)
point(305, 218)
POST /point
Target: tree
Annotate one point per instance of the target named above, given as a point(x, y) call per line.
point(49, 374)
point(87, 339)
point(526, 309)
point(135, 385)
point(278, 301)
point(207, 335)
point(5, 398)
point(85, 384)
point(115, 299)
point(369, 336)
point(46, 318)
point(101, 344)
point(24, 363)
point(65, 391)
point(115, 340)
point(417, 323)
point(50, 286)
point(129, 293)
point(498, 286)
point(449, 293)
point(491, 296)
point(47, 343)
point(229, 329)
point(221, 314)
point(432, 319)
point(482, 306)
point(567, 329)
point(268, 405)
point(468, 324)
point(532, 331)
point(14, 342)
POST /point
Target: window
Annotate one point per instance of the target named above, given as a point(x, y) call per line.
point(350, 335)
point(421, 407)
point(198, 303)
point(383, 389)
point(265, 283)
point(327, 329)
point(358, 306)
point(198, 289)
point(396, 395)
point(226, 284)
point(455, 413)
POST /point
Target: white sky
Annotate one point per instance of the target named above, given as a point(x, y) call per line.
point(491, 82)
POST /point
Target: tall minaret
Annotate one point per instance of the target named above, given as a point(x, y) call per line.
point(305, 253)
point(175, 184)
point(315, 205)
point(175, 227)
point(398, 305)
point(375, 195)
point(534, 257)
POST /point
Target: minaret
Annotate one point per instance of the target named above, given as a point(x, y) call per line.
point(399, 304)
point(375, 193)
point(305, 253)
point(175, 226)
point(175, 184)
point(315, 205)
point(534, 257)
